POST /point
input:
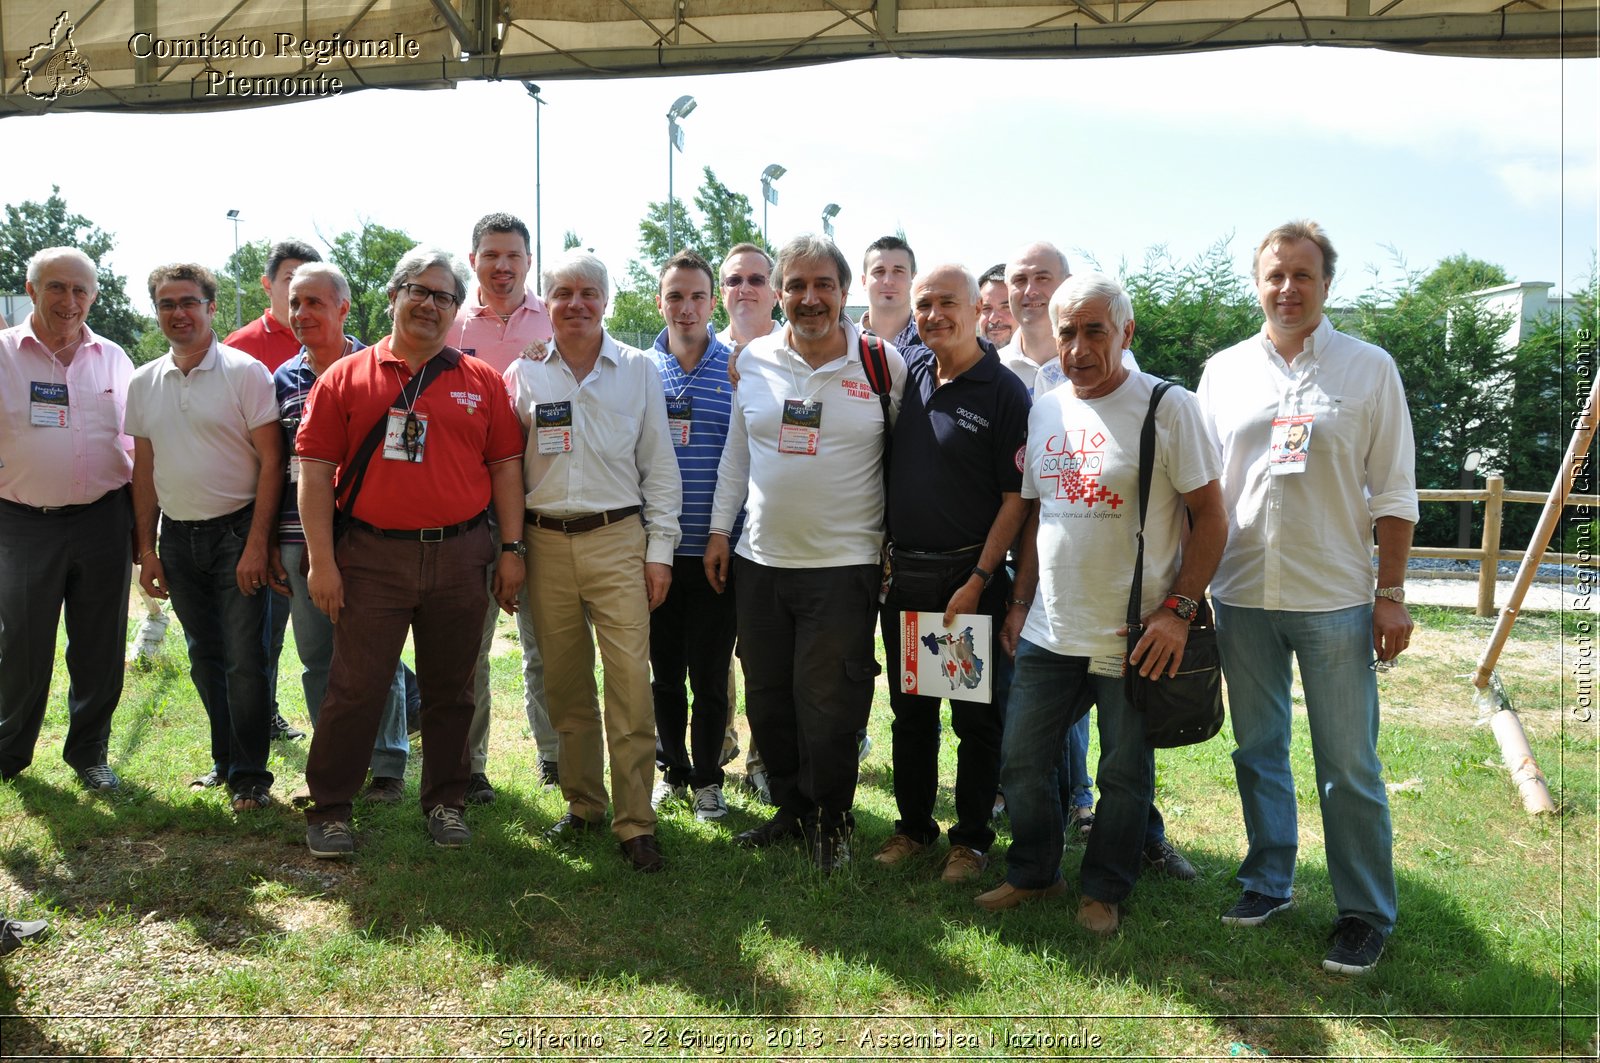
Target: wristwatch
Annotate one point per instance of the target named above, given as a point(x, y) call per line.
point(987, 577)
point(519, 548)
point(1186, 608)
point(1394, 594)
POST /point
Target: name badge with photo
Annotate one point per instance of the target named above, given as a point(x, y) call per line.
point(680, 418)
point(801, 428)
point(47, 405)
point(1290, 445)
point(552, 422)
point(405, 436)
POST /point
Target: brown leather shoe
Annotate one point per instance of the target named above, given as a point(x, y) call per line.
point(898, 848)
point(963, 864)
point(1098, 917)
point(644, 854)
point(1006, 896)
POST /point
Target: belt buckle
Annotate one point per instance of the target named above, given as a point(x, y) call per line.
point(431, 535)
point(566, 526)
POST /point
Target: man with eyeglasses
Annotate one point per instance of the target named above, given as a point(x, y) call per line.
point(65, 463)
point(208, 460)
point(749, 297)
point(405, 444)
point(319, 305)
point(602, 502)
point(503, 321)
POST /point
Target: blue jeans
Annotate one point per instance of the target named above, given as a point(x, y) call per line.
point(313, 640)
point(1047, 696)
point(1077, 785)
point(1334, 650)
point(226, 633)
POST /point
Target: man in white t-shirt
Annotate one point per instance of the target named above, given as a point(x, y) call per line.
point(208, 460)
point(1068, 613)
point(807, 425)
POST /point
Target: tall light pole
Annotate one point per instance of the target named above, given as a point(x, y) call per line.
point(830, 212)
point(238, 296)
point(679, 109)
point(538, 196)
point(769, 195)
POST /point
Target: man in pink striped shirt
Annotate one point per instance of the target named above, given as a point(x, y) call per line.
point(65, 517)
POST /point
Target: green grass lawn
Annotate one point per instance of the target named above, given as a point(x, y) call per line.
point(182, 930)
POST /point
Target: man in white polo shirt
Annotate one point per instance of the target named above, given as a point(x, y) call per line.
point(807, 424)
point(208, 455)
point(502, 321)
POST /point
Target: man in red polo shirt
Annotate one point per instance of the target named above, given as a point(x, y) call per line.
point(410, 441)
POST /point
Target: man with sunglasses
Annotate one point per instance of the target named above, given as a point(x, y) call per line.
point(407, 442)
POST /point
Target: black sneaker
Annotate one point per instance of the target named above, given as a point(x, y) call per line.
point(1357, 945)
point(1253, 909)
point(829, 850)
point(330, 840)
point(778, 828)
point(281, 729)
point(1163, 859)
point(99, 777)
point(479, 790)
point(549, 774)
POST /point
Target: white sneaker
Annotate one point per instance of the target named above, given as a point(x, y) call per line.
point(709, 803)
point(147, 638)
point(663, 791)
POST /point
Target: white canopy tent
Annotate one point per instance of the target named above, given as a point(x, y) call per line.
point(167, 55)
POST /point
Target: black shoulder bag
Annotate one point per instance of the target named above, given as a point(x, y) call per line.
point(369, 446)
point(1184, 709)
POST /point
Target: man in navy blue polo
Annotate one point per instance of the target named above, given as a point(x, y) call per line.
point(954, 507)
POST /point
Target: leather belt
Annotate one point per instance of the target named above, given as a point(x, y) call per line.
point(226, 518)
point(579, 525)
point(43, 510)
point(422, 535)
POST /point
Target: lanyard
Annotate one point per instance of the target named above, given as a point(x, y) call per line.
point(812, 378)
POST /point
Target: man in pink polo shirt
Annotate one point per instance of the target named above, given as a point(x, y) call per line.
point(65, 517)
point(501, 322)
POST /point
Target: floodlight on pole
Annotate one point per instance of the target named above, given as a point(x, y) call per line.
point(830, 212)
point(679, 109)
point(238, 297)
point(538, 195)
point(769, 195)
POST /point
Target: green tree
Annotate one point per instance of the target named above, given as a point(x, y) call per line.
point(367, 256)
point(1453, 358)
point(1552, 370)
point(725, 220)
point(243, 273)
point(1184, 312)
point(1460, 274)
point(30, 227)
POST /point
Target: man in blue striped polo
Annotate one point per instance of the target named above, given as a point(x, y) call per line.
point(692, 632)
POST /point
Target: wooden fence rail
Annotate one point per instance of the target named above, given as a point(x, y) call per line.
point(1494, 496)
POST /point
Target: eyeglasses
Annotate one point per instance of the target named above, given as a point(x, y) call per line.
point(755, 280)
point(188, 305)
point(419, 293)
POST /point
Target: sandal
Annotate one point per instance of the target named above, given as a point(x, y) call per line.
point(207, 781)
point(252, 799)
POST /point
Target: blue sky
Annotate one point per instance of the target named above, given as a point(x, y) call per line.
point(1107, 157)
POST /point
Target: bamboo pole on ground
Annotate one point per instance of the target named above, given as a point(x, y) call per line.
point(1490, 700)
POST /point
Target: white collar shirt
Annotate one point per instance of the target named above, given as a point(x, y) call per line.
point(621, 451)
point(821, 510)
point(1303, 542)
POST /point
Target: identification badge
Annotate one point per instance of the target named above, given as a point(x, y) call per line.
point(801, 428)
point(552, 422)
point(47, 405)
point(405, 436)
point(680, 417)
point(1290, 444)
point(294, 468)
point(1109, 665)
